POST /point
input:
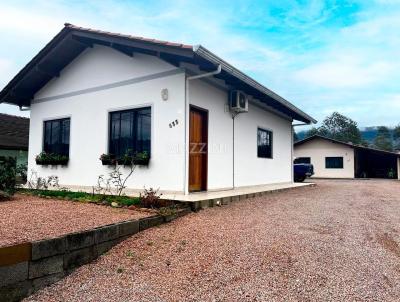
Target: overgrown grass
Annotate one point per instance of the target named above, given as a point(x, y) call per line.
point(84, 197)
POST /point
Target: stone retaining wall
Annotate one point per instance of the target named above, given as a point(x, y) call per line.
point(27, 267)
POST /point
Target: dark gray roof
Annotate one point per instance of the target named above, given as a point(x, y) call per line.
point(14, 132)
point(72, 40)
point(351, 145)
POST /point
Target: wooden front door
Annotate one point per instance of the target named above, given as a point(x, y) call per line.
point(198, 150)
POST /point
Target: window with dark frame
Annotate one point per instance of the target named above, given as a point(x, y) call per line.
point(56, 136)
point(334, 162)
point(130, 131)
point(264, 143)
point(303, 160)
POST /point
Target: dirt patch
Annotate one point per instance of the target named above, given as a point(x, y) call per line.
point(389, 244)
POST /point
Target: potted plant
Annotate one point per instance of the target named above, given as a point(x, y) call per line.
point(42, 158)
point(61, 160)
point(51, 159)
point(126, 159)
point(108, 159)
point(141, 158)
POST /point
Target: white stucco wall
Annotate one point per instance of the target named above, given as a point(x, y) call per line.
point(249, 169)
point(89, 117)
point(317, 149)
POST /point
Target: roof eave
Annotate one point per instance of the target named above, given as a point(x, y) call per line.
point(208, 55)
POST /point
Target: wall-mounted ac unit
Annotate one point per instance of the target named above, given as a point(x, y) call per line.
point(238, 101)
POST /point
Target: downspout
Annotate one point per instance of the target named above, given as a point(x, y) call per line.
point(199, 76)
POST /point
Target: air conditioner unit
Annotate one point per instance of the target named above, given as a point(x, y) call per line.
point(238, 101)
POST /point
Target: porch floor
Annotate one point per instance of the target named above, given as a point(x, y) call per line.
point(238, 193)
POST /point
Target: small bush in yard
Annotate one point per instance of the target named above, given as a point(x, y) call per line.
point(151, 199)
point(7, 177)
point(37, 182)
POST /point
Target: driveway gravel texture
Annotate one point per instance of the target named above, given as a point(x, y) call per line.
point(337, 241)
point(28, 218)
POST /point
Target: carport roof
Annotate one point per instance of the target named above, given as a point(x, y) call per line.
point(346, 144)
point(73, 40)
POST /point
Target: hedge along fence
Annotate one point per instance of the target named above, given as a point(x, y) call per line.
point(27, 267)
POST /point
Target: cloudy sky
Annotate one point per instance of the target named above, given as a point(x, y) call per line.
point(323, 56)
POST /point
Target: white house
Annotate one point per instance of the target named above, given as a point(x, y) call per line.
point(92, 92)
point(335, 159)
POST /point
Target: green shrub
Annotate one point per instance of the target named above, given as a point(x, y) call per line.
point(7, 176)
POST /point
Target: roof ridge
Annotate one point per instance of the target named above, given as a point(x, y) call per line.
point(151, 40)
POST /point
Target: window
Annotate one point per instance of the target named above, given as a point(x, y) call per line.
point(130, 131)
point(303, 160)
point(334, 162)
point(264, 143)
point(56, 136)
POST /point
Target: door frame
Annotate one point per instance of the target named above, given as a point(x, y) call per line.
point(205, 168)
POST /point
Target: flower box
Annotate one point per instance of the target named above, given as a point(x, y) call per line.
point(108, 160)
point(141, 161)
point(45, 159)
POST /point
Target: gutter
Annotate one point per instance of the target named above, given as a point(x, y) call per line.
point(208, 55)
point(187, 148)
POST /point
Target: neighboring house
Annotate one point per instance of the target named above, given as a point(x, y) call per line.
point(109, 93)
point(14, 138)
point(335, 159)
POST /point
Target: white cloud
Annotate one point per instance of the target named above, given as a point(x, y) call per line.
point(337, 73)
point(25, 23)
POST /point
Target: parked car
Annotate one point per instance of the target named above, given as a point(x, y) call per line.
point(302, 171)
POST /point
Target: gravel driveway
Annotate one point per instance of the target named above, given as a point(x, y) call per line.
point(338, 241)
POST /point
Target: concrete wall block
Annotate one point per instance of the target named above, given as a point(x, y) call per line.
point(80, 240)
point(79, 257)
point(106, 233)
point(155, 221)
point(128, 228)
point(226, 200)
point(44, 281)
point(47, 248)
point(148, 222)
point(105, 246)
point(235, 198)
point(204, 204)
point(169, 218)
point(243, 197)
point(46, 266)
point(184, 211)
point(13, 273)
point(16, 292)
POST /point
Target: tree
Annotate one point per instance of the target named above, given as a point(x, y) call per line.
point(396, 137)
point(340, 127)
point(311, 132)
point(383, 139)
point(295, 136)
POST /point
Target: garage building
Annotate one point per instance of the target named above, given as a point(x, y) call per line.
point(335, 159)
